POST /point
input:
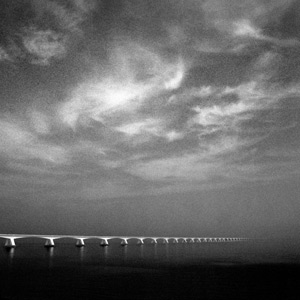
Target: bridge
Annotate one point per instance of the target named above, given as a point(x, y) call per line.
point(104, 240)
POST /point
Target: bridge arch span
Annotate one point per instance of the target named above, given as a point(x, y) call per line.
point(148, 240)
point(139, 240)
point(173, 240)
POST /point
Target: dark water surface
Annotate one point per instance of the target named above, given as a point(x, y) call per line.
point(239, 270)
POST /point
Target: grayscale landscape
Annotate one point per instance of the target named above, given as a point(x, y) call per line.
point(166, 132)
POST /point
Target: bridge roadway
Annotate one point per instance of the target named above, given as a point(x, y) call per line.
point(10, 239)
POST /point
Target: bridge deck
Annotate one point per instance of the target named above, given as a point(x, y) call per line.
point(51, 236)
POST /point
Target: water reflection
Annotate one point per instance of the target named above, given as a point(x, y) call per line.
point(148, 253)
point(155, 251)
point(10, 253)
point(141, 251)
point(81, 253)
point(167, 251)
point(32, 274)
point(50, 252)
point(106, 254)
point(125, 252)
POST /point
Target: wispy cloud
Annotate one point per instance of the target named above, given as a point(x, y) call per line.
point(144, 131)
point(136, 74)
point(48, 34)
point(226, 140)
point(44, 45)
point(40, 122)
point(209, 164)
point(240, 21)
point(20, 144)
point(227, 116)
point(147, 126)
point(245, 28)
point(4, 55)
point(196, 99)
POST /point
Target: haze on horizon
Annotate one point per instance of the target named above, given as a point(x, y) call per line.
point(140, 117)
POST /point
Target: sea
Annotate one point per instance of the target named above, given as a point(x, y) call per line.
point(258, 269)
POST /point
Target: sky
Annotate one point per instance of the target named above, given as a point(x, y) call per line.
point(139, 117)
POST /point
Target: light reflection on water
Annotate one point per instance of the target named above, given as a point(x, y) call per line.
point(142, 251)
point(156, 254)
point(11, 253)
point(81, 253)
point(158, 271)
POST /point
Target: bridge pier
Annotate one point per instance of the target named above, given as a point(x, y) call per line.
point(49, 243)
point(104, 242)
point(140, 242)
point(80, 243)
point(10, 243)
point(124, 242)
point(154, 241)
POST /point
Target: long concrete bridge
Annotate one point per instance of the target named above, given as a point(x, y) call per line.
point(104, 240)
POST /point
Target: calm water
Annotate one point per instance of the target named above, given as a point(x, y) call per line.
point(240, 270)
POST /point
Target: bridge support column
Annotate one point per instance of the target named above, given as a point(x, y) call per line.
point(49, 243)
point(10, 243)
point(80, 243)
point(124, 242)
point(140, 242)
point(154, 241)
point(104, 243)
